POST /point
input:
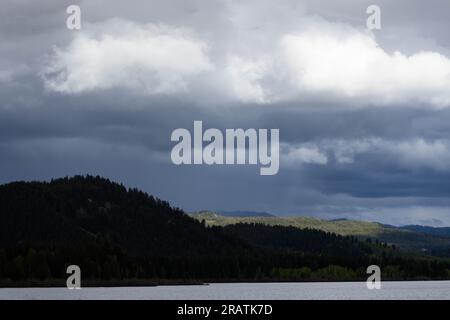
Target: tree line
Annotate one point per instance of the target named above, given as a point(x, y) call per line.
point(113, 232)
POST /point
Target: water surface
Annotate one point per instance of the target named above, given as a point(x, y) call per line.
point(438, 290)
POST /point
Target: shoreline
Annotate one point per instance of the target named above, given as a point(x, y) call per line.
point(60, 283)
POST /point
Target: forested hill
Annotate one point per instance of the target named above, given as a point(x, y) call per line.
point(93, 209)
point(107, 229)
point(115, 233)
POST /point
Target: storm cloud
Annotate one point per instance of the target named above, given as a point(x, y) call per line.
point(363, 115)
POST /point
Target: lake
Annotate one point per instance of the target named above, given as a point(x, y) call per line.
point(438, 290)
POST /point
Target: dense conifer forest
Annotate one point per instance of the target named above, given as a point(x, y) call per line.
point(115, 234)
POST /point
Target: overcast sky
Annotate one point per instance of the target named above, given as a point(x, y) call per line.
point(364, 116)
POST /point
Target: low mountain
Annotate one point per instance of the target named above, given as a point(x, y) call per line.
point(407, 239)
point(435, 231)
point(109, 230)
point(244, 214)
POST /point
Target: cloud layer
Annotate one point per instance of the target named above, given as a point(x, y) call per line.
point(411, 154)
point(363, 117)
point(322, 61)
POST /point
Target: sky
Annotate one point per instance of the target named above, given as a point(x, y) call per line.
point(363, 115)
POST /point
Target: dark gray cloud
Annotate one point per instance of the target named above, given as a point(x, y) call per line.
point(341, 157)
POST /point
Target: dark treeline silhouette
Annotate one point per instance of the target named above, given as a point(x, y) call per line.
point(116, 233)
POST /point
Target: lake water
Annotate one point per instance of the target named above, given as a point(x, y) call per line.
point(438, 290)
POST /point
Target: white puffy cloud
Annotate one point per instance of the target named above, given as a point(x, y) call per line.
point(304, 154)
point(412, 154)
point(244, 78)
point(344, 150)
point(419, 153)
point(326, 61)
point(149, 58)
point(314, 61)
point(341, 61)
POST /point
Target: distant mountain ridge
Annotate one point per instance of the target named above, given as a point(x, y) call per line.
point(437, 231)
point(417, 238)
point(244, 213)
